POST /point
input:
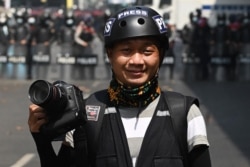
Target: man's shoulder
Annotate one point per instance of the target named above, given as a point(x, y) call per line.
point(173, 92)
point(100, 95)
point(173, 95)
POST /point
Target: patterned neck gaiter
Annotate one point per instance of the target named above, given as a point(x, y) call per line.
point(141, 96)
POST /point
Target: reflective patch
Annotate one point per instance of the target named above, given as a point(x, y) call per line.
point(162, 113)
point(110, 110)
point(108, 26)
point(92, 112)
point(133, 13)
point(160, 23)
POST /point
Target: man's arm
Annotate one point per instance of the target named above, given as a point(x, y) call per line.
point(200, 156)
point(45, 150)
point(47, 155)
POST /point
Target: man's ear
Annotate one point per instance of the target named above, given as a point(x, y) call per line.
point(109, 53)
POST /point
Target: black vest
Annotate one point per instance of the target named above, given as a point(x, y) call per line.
point(160, 145)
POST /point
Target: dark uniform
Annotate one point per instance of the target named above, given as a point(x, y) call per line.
point(44, 36)
point(201, 39)
point(244, 59)
point(233, 44)
point(4, 43)
point(65, 38)
point(219, 57)
point(19, 36)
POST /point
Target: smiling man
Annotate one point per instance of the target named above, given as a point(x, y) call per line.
point(131, 124)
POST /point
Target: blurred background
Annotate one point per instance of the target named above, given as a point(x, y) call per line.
point(209, 57)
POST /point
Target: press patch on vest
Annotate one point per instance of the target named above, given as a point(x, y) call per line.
point(92, 112)
point(162, 113)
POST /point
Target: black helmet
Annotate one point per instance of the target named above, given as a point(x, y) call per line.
point(136, 21)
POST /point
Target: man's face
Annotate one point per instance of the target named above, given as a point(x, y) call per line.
point(134, 61)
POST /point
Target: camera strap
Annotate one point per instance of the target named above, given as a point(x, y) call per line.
point(96, 103)
point(178, 107)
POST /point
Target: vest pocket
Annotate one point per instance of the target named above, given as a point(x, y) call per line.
point(175, 161)
point(106, 161)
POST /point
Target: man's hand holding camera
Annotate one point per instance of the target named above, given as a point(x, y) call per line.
point(37, 117)
point(56, 108)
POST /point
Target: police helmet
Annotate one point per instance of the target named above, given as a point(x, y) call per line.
point(20, 16)
point(3, 19)
point(69, 19)
point(88, 19)
point(135, 21)
point(32, 20)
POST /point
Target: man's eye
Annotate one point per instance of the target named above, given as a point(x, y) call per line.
point(148, 51)
point(126, 50)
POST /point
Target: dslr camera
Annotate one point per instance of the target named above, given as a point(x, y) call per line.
point(63, 103)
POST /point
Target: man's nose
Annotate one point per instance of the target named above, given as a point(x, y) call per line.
point(136, 58)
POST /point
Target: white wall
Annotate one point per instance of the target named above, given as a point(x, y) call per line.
point(182, 8)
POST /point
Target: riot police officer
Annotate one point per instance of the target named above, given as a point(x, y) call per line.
point(33, 26)
point(244, 67)
point(21, 32)
point(44, 37)
point(233, 44)
point(66, 31)
point(4, 42)
point(201, 39)
point(190, 60)
point(4, 34)
point(19, 35)
point(218, 43)
point(46, 31)
point(245, 34)
point(65, 38)
point(169, 59)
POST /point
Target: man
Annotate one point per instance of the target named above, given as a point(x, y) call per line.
point(137, 128)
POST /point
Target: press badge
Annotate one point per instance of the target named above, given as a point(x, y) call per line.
point(160, 23)
point(108, 26)
point(92, 112)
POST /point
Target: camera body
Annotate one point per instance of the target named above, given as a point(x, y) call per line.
point(63, 103)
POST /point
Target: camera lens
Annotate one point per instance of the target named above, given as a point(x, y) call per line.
point(49, 96)
point(40, 91)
